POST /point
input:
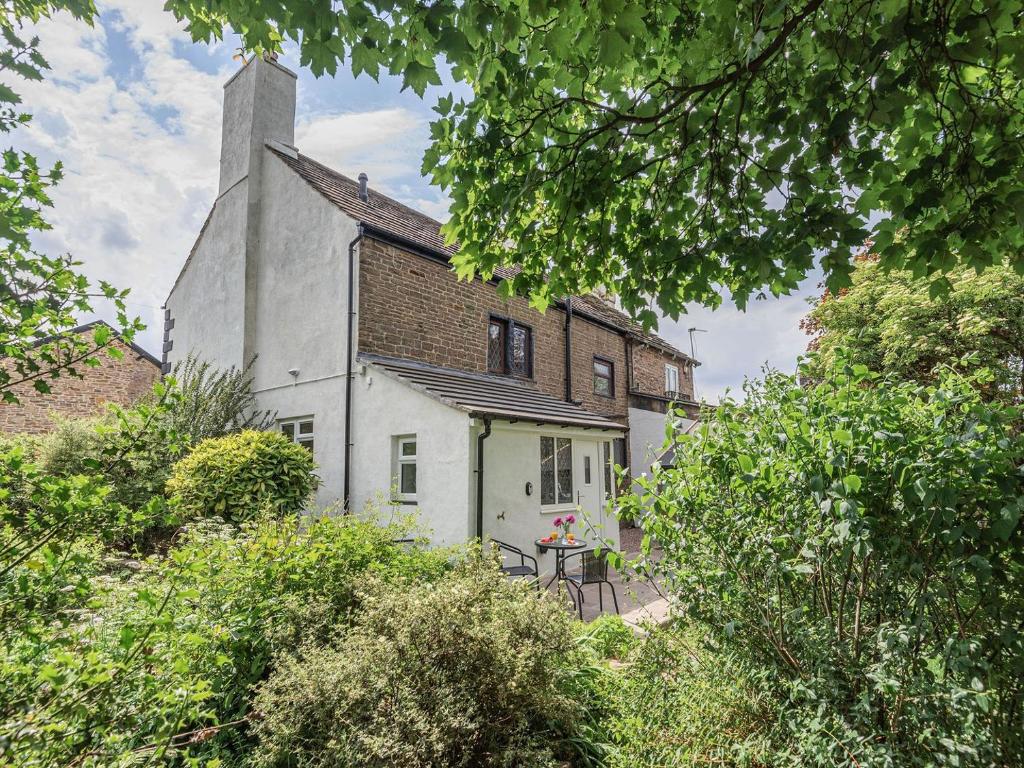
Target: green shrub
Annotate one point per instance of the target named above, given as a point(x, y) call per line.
point(237, 476)
point(608, 636)
point(463, 672)
point(861, 539)
point(675, 703)
point(67, 448)
point(179, 645)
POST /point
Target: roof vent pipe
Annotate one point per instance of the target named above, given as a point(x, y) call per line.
point(364, 193)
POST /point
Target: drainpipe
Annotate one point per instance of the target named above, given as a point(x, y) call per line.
point(348, 365)
point(568, 349)
point(480, 477)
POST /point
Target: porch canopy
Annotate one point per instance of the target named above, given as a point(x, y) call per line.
point(486, 396)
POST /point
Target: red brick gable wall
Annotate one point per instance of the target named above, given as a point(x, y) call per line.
point(113, 381)
point(415, 308)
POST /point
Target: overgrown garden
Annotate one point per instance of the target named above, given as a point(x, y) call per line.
point(844, 547)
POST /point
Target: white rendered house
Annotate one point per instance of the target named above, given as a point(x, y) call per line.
point(480, 413)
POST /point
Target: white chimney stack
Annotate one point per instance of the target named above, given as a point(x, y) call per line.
point(259, 107)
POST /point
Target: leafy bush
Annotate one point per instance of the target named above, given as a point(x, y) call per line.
point(238, 476)
point(214, 403)
point(861, 539)
point(462, 672)
point(608, 636)
point(131, 669)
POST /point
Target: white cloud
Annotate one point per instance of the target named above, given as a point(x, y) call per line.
point(386, 144)
point(141, 152)
point(739, 345)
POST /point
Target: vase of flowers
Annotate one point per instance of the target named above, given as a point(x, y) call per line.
point(565, 523)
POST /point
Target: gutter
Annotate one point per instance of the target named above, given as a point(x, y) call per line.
point(480, 477)
point(346, 494)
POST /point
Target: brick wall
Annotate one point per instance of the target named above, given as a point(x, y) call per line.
point(113, 381)
point(412, 307)
point(649, 371)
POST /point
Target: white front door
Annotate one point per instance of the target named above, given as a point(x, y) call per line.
point(587, 482)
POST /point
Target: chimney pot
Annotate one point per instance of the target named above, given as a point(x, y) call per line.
point(364, 193)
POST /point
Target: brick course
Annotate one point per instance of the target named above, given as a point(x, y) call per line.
point(649, 372)
point(113, 381)
point(415, 308)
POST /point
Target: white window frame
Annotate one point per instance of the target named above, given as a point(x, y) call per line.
point(671, 377)
point(296, 436)
point(556, 505)
point(401, 459)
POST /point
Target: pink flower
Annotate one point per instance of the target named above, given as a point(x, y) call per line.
point(570, 519)
point(558, 521)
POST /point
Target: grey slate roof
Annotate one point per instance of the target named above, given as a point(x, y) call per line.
point(481, 394)
point(390, 216)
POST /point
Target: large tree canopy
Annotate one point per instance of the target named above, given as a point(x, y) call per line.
point(892, 322)
point(675, 149)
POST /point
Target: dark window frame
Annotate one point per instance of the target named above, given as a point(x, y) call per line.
point(509, 327)
point(610, 378)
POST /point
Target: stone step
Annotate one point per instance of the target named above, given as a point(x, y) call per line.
point(655, 613)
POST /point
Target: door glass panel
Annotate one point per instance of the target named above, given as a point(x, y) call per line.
point(586, 470)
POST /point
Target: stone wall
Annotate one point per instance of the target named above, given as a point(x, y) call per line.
point(413, 307)
point(113, 381)
point(649, 371)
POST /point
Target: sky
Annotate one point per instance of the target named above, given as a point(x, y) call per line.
point(133, 109)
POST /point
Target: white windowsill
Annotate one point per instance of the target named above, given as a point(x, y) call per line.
point(558, 509)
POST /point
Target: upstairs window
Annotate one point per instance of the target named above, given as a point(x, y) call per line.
point(671, 379)
point(604, 377)
point(509, 348)
point(555, 471)
point(298, 431)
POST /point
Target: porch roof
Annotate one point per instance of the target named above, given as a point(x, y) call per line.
point(483, 395)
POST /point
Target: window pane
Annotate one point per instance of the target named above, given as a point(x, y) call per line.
point(564, 467)
point(305, 427)
point(409, 448)
point(547, 470)
point(521, 350)
point(307, 443)
point(496, 346)
point(407, 481)
point(289, 430)
point(671, 378)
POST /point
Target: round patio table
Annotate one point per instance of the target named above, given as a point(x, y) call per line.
point(560, 547)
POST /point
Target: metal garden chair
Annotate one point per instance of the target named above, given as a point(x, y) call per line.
point(593, 570)
point(524, 569)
